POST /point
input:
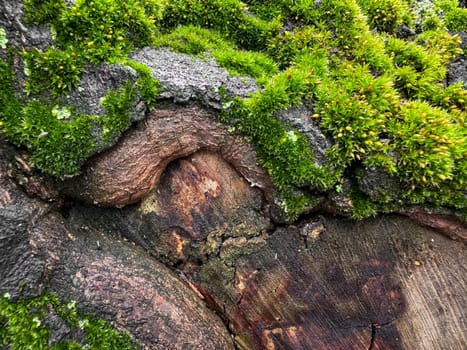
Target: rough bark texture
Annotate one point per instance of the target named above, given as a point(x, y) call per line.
point(324, 283)
point(189, 78)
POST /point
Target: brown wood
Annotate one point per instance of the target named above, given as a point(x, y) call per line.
point(383, 283)
point(107, 276)
point(128, 172)
point(323, 283)
point(448, 225)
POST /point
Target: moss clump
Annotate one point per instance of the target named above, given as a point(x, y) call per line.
point(54, 70)
point(85, 33)
point(117, 105)
point(60, 139)
point(455, 17)
point(23, 326)
point(380, 98)
point(360, 99)
point(105, 29)
point(3, 38)
point(43, 11)
point(270, 9)
point(57, 146)
point(228, 17)
point(386, 15)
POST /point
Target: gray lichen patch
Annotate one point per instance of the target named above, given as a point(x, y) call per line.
point(189, 78)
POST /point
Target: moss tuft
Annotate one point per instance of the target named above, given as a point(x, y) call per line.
point(381, 99)
point(386, 15)
point(23, 326)
point(228, 17)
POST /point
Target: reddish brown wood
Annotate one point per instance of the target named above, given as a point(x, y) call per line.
point(128, 172)
point(383, 283)
point(323, 283)
point(107, 276)
point(448, 225)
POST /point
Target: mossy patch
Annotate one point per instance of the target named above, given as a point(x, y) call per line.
point(455, 17)
point(59, 138)
point(85, 33)
point(23, 325)
point(380, 98)
point(228, 17)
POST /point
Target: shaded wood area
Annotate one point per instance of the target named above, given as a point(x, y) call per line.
point(324, 283)
point(384, 283)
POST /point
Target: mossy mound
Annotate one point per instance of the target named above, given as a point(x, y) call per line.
point(371, 72)
point(45, 323)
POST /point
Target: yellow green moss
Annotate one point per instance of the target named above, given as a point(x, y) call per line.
point(23, 326)
point(379, 97)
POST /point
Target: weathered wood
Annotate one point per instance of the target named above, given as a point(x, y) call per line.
point(326, 283)
point(448, 225)
point(108, 277)
point(122, 284)
point(383, 283)
point(128, 172)
point(323, 283)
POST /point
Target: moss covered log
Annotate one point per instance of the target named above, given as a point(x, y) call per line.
point(372, 72)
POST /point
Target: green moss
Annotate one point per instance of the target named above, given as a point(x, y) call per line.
point(22, 326)
point(456, 20)
point(117, 105)
point(147, 86)
point(454, 16)
point(228, 17)
point(54, 70)
point(58, 147)
point(386, 15)
point(43, 11)
point(270, 9)
point(288, 47)
point(359, 109)
point(60, 140)
point(107, 28)
point(362, 205)
point(3, 38)
point(381, 99)
point(85, 33)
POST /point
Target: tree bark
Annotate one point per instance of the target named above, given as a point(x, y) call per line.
point(128, 172)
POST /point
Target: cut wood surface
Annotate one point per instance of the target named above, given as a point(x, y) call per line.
point(383, 283)
point(323, 283)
